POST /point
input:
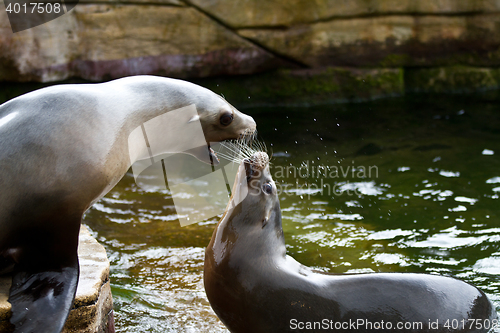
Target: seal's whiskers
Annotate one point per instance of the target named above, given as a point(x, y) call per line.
point(248, 137)
point(238, 150)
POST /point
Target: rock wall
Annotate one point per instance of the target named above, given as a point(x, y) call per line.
point(104, 39)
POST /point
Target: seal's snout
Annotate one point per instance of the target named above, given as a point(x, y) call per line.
point(250, 124)
point(255, 163)
point(248, 134)
point(259, 160)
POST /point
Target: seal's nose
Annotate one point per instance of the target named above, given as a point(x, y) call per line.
point(255, 163)
point(259, 160)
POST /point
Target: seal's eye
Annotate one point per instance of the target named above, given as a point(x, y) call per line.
point(267, 188)
point(226, 119)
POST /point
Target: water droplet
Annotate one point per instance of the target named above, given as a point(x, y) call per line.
point(488, 152)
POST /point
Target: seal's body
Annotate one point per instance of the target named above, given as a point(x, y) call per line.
point(62, 149)
point(253, 286)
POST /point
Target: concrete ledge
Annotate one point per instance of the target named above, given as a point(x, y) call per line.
point(93, 306)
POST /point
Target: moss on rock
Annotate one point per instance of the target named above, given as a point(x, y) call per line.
point(315, 86)
point(452, 79)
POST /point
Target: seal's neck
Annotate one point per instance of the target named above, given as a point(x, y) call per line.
point(153, 126)
point(240, 230)
point(175, 94)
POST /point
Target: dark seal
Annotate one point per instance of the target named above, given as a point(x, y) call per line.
point(62, 149)
point(253, 286)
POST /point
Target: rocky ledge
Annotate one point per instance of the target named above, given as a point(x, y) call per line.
point(93, 306)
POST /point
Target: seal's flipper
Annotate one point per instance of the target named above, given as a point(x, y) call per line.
point(41, 301)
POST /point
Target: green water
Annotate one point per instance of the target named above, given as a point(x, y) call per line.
point(423, 197)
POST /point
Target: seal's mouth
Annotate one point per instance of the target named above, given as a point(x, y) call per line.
point(214, 160)
point(248, 169)
point(244, 139)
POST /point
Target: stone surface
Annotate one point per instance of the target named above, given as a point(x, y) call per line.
point(267, 13)
point(389, 41)
point(97, 42)
point(93, 306)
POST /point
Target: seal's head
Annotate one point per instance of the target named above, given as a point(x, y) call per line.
point(221, 121)
point(254, 204)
